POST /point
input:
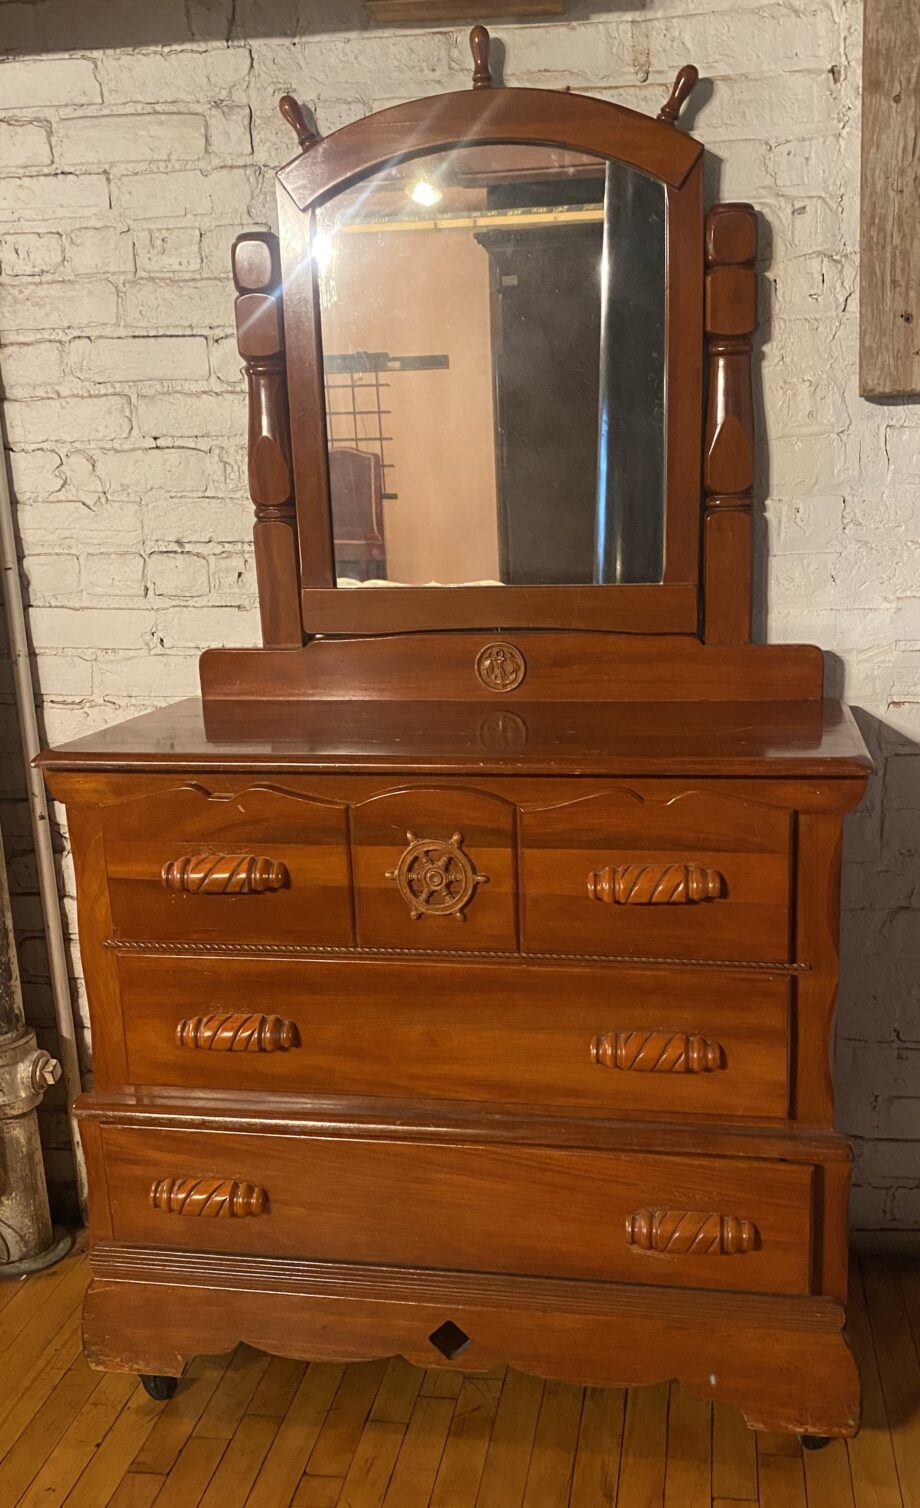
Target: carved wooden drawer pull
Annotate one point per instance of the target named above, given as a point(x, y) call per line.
point(436, 878)
point(225, 874)
point(690, 1232)
point(238, 1032)
point(212, 1198)
point(654, 884)
point(657, 1052)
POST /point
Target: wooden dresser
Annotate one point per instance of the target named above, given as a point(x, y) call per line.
point(462, 966)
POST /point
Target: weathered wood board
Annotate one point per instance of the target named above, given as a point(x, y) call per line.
point(889, 336)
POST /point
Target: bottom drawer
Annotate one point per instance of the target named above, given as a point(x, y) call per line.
point(701, 1222)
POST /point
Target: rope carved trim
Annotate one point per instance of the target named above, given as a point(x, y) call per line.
point(224, 874)
point(179, 949)
point(693, 1233)
point(238, 1032)
point(657, 1052)
point(654, 884)
point(211, 1198)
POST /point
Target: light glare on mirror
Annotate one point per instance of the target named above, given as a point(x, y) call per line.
point(323, 248)
point(425, 193)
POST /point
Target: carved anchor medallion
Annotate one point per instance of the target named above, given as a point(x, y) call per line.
point(436, 878)
point(501, 667)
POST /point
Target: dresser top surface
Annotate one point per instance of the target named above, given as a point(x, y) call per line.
point(771, 739)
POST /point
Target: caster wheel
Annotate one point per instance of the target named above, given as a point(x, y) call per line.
point(814, 1442)
point(160, 1388)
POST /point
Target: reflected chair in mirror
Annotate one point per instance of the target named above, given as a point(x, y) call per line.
point(356, 488)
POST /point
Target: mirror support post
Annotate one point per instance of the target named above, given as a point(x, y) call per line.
point(257, 276)
point(728, 449)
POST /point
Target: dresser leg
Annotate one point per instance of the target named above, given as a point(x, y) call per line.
point(814, 1442)
point(160, 1388)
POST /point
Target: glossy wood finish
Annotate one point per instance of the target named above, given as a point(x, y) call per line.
point(783, 739)
point(326, 167)
point(684, 85)
point(452, 824)
point(512, 1034)
point(536, 116)
point(546, 1212)
point(295, 886)
point(691, 1233)
point(293, 113)
point(526, 1039)
point(480, 43)
point(658, 1052)
point(565, 667)
point(207, 1198)
point(660, 884)
point(668, 609)
point(534, 851)
point(521, 115)
point(224, 874)
point(728, 452)
point(237, 1031)
point(462, 987)
point(259, 338)
point(743, 914)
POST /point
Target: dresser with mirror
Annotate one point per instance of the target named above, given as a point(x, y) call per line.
point(462, 963)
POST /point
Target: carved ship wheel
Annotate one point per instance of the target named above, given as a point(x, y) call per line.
point(436, 878)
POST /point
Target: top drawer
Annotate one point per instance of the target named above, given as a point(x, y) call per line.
point(264, 864)
point(692, 874)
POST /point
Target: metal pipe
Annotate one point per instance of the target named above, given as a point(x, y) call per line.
point(41, 828)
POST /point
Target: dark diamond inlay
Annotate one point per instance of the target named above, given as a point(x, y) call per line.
point(449, 1339)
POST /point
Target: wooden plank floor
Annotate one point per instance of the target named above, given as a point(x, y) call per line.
point(252, 1431)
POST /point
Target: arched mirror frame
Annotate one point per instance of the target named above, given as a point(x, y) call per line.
point(498, 116)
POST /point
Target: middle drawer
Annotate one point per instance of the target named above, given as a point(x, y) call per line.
point(601, 1040)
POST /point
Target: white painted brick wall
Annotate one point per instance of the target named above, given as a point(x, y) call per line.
point(124, 176)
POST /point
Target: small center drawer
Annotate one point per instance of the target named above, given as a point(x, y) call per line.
point(672, 874)
point(599, 1040)
point(698, 1222)
point(245, 863)
point(434, 869)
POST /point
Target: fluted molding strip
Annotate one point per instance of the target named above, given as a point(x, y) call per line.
point(696, 1233)
point(654, 884)
point(657, 1052)
point(225, 874)
point(238, 1032)
point(211, 1198)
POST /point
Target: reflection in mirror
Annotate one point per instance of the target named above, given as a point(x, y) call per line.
point(493, 341)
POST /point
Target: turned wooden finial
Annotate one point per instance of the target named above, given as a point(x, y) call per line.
point(683, 87)
point(293, 113)
point(480, 42)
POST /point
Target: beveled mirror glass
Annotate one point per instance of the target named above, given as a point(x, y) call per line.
point(493, 330)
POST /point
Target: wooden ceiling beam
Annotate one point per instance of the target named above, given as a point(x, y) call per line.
point(433, 12)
